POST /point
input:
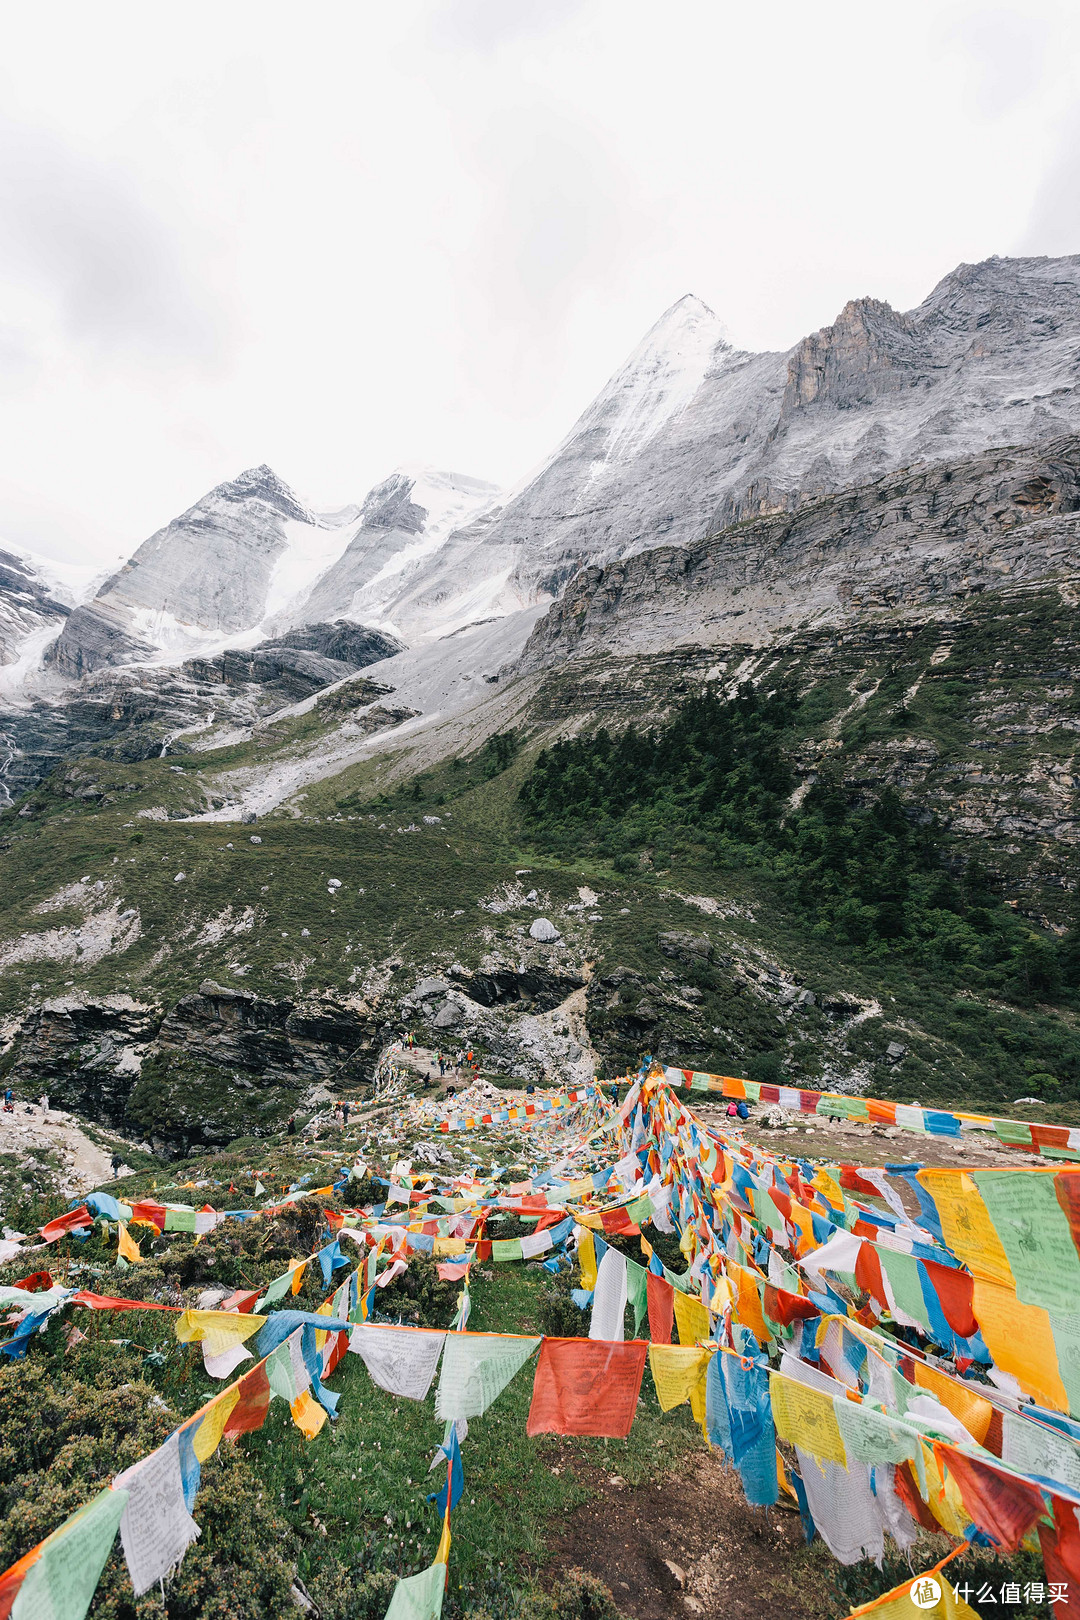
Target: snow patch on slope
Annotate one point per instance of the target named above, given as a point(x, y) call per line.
point(450, 502)
point(309, 552)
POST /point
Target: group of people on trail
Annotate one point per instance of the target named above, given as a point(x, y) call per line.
point(9, 1103)
point(737, 1110)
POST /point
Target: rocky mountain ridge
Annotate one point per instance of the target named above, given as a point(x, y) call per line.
point(920, 539)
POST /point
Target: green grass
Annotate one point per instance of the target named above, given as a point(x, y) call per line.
point(372, 1467)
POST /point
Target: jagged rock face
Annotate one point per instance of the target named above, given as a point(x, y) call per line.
point(354, 644)
point(299, 664)
point(208, 570)
point(871, 351)
point(85, 1055)
point(236, 1029)
point(924, 538)
point(504, 986)
point(691, 435)
point(220, 1064)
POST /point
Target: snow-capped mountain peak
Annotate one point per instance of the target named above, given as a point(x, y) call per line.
point(656, 382)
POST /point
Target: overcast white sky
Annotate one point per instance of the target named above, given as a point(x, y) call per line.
point(337, 237)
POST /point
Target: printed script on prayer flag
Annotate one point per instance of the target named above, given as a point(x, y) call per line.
point(587, 1386)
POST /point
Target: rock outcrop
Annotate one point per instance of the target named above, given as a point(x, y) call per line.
point(924, 539)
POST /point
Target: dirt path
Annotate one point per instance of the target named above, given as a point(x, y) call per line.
point(693, 1546)
point(82, 1163)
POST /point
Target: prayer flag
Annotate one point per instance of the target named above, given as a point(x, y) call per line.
point(661, 1296)
point(609, 1297)
point(156, 1528)
point(399, 1359)
point(56, 1579)
point(586, 1386)
point(476, 1369)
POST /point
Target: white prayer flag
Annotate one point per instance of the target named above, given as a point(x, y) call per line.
point(401, 1360)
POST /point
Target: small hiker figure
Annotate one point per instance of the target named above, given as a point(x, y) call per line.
point(732, 1111)
point(344, 1115)
point(117, 1162)
point(9, 1101)
point(290, 1129)
point(43, 1100)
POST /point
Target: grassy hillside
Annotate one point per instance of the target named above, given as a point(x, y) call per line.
point(869, 881)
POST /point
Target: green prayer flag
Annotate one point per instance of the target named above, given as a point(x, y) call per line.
point(419, 1597)
point(60, 1584)
point(902, 1271)
point(506, 1249)
point(1035, 1234)
point(637, 1289)
point(179, 1220)
point(277, 1290)
point(1014, 1132)
point(476, 1368)
point(281, 1374)
point(640, 1209)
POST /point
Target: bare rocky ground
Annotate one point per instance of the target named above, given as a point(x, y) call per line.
point(850, 1142)
point(54, 1151)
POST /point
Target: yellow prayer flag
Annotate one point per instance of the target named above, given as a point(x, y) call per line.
point(307, 1414)
point(966, 1224)
point(943, 1496)
point(1021, 1341)
point(587, 1261)
point(297, 1267)
point(805, 1417)
point(217, 1330)
point(443, 1554)
point(207, 1437)
point(967, 1407)
point(691, 1318)
point(679, 1372)
point(447, 1245)
point(747, 1305)
point(927, 1597)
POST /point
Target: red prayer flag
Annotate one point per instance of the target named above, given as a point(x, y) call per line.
point(868, 1274)
point(785, 1307)
point(618, 1223)
point(587, 1386)
point(35, 1282)
point(955, 1291)
point(13, 1578)
point(908, 1492)
point(241, 1300)
point(1000, 1505)
point(1067, 1187)
point(147, 1210)
point(1061, 1551)
point(250, 1410)
point(105, 1302)
point(52, 1230)
point(661, 1298)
